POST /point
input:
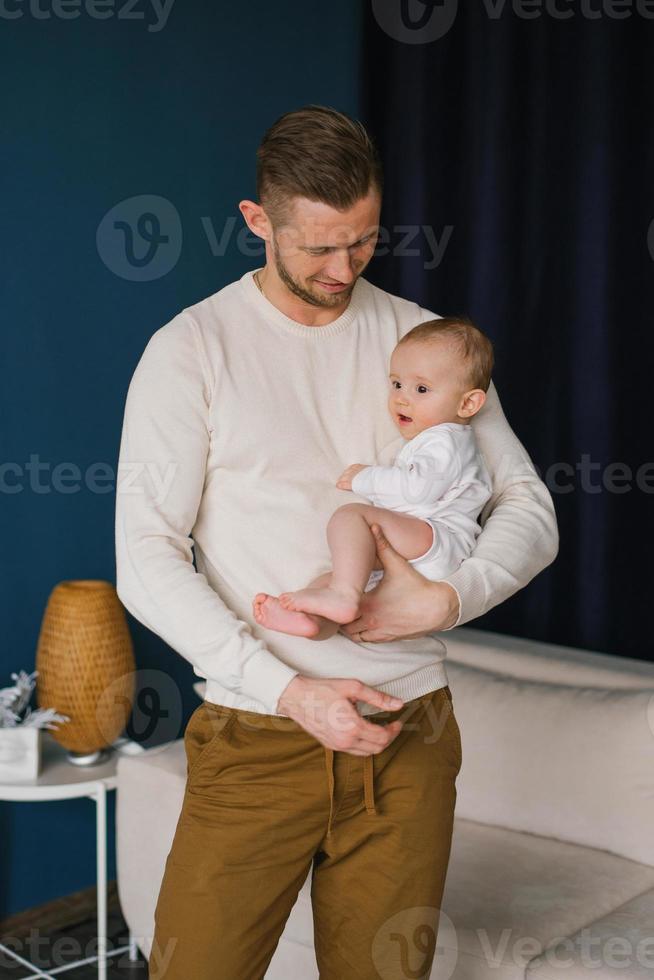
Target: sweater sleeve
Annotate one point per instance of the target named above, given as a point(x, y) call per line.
point(161, 471)
point(423, 479)
point(519, 536)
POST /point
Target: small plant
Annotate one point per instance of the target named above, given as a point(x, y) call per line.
point(14, 700)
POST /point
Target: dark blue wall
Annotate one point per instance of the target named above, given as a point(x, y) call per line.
point(98, 112)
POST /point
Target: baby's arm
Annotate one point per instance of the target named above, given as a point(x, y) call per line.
point(423, 479)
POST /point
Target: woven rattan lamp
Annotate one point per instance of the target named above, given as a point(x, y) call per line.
point(86, 667)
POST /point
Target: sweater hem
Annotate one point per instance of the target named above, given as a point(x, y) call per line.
point(411, 686)
point(408, 687)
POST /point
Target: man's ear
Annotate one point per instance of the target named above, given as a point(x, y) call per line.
point(471, 402)
point(256, 219)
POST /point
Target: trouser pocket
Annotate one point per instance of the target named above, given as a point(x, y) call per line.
point(207, 725)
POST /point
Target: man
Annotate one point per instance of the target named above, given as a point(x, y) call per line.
point(253, 401)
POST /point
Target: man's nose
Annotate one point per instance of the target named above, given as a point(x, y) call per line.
point(339, 267)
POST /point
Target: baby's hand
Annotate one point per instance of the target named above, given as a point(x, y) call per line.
point(344, 481)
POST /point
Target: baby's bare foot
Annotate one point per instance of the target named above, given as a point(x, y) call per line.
point(269, 613)
point(339, 606)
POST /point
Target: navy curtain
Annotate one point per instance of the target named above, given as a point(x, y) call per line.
point(518, 155)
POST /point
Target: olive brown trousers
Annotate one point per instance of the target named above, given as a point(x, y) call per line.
point(266, 803)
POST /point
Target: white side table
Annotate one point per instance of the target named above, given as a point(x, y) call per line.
point(61, 780)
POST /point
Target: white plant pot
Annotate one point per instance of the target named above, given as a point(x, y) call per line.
point(20, 754)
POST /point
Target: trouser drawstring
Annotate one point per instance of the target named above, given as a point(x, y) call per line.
point(329, 759)
point(368, 785)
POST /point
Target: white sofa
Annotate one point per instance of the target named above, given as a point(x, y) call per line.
point(552, 863)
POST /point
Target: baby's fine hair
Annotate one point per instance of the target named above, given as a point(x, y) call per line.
point(471, 342)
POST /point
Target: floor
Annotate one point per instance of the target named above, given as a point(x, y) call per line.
point(42, 939)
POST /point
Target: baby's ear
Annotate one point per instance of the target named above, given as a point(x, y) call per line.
point(471, 402)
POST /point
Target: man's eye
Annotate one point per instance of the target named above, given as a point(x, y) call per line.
point(317, 251)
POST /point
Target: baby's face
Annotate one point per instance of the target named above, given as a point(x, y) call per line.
point(427, 382)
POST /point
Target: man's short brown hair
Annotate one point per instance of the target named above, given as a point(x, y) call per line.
point(472, 343)
point(317, 153)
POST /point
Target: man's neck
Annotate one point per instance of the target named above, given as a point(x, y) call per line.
point(277, 293)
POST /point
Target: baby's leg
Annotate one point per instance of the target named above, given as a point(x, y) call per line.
point(270, 613)
point(353, 550)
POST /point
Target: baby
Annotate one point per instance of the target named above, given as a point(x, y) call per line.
point(426, 503)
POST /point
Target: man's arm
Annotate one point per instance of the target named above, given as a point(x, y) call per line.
point(519, 536)
point(163, 452)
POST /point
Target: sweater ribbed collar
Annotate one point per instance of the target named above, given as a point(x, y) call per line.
point(270, 312)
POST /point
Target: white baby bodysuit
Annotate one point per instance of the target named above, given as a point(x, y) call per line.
point(439, 476)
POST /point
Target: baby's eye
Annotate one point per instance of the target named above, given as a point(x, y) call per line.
point(395, 384)
point(422, 389)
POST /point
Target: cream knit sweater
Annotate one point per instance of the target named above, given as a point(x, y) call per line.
point(238, 421)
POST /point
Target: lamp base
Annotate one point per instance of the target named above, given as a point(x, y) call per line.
point(96, 758)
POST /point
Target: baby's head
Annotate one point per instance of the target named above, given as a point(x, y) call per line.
point(440, 372)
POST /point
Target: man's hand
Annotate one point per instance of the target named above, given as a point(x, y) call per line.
point(325, 709)
point(405, 605)
point(344, 481)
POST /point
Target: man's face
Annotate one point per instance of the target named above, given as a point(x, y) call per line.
point(320, 252)
point(427, 382)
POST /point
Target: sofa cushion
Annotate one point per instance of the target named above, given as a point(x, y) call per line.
point(562, 761)
point(511, 896)
point(619, 943)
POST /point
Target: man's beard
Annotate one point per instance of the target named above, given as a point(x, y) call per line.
point(326, 300)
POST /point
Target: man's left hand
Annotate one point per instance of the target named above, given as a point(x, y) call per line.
point(405, 605)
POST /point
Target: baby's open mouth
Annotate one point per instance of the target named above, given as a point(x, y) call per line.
point(404, 418)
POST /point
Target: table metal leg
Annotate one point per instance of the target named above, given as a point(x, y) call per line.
point(101, 869)
point(133, 948)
